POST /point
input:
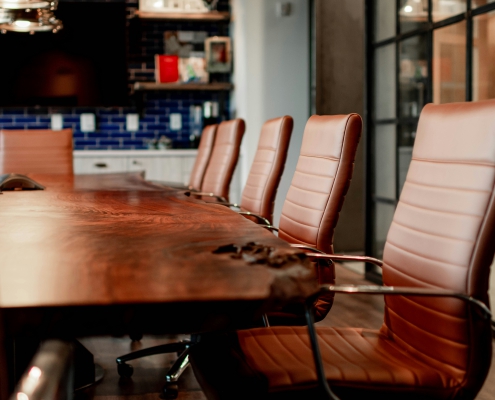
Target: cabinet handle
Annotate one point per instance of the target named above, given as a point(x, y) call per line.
point(135, 162)
point(101, 165)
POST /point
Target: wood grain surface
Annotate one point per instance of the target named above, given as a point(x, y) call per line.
point(116, 239)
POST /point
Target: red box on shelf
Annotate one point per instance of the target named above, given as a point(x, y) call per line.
point(166, 68)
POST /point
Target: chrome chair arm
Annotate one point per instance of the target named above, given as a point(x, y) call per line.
point(259, 217)
point(306, 247)
point(339, 257)
point(336, 257)
point(222, 203)
point(270, 227)
point(205, 194)
point(50, 374)
point(407, 291)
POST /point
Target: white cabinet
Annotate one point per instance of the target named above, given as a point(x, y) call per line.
point(166, 165)
point(152, 167)
point(159, 165)
point(99, 165)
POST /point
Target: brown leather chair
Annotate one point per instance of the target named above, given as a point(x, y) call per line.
point(258, 196)
point(223, 158)
point(315, 198)
point(440, 243)
point(36, 151)
point(203, 158)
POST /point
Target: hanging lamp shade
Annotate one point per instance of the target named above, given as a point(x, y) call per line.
point(31, 21)
point(27, 4)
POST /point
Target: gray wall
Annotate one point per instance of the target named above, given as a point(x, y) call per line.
point(271, 77)
point(340, 90)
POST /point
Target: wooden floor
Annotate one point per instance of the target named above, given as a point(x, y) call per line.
point(149, 373)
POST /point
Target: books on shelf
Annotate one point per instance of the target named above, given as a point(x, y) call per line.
point(166, 68)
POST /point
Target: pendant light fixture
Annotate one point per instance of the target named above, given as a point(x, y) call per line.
point(25, 4)
point(29, 16)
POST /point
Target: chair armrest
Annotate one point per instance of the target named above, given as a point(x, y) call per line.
point(259, 217)
point(50, 374)
point(269, 227)
point(407, 291)
point(336, 257)
point(339, 257)
point(306, 247)
point(229, 204)
point(205, 194)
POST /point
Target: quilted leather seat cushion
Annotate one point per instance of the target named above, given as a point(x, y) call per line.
point(272, 363)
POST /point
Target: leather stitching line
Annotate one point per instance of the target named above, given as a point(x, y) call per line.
point(313, 174)
point(462, 345)
point(425, 257)
point(431, 234)
point(444, 187)
point(300, 205)
point(483, 164)
point(425, 331)
point(323, 157)
point(308, 190)
point(269, 356)
point(438, 211)
point(300, 223)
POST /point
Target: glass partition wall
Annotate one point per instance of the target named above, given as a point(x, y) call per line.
point(418, 51)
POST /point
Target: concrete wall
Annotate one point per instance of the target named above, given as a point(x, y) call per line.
point(340, 82)
point(271, 76)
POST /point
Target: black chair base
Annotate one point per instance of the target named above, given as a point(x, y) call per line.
point(170, 389)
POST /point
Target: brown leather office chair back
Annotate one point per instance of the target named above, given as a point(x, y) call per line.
point(36, 151)
point(202, 159)
point(316, 195)
point(322, 177)
point(442, 236)
point(268, 165)
point(224, 158)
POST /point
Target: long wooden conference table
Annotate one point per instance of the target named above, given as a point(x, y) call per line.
point(114, 254)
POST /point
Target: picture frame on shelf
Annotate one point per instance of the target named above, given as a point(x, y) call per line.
point(218, 54)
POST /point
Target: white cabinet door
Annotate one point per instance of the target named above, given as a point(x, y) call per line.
point(187, 166)
point(235, 185)
point(172, 169)
point(152, 167)
point(100, 165)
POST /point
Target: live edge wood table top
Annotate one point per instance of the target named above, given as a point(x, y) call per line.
point(100, 253)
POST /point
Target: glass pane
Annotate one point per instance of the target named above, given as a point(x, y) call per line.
point(413, 75)
point(384, 213)
point(384, 19)
point(413, 14)
point(479, 3)
point(443, 9)
point(385, 82)
point(484, 56)
point(449, 63)
point(407, 134)
point(385, 151)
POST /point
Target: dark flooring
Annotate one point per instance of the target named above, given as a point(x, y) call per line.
point(149, 372)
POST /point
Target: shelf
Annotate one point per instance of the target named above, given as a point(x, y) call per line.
point(141, 86)
point(209, 16)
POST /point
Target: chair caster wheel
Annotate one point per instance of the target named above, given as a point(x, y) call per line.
point(136, 337)
point(170, 391)
point(125, 370)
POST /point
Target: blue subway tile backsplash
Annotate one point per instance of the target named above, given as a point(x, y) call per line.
point(111, 134)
